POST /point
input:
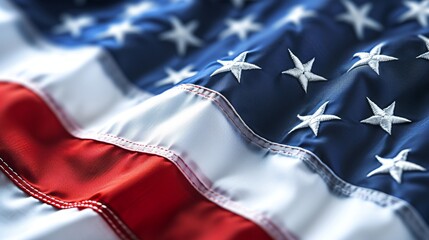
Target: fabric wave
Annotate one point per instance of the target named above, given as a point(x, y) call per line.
point(277, 181)
point(357, 119)
point(24, 217)
point(356, 60)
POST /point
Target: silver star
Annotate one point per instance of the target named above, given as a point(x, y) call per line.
point(295, 16)
point(235, 66)
point(419, 11)
point(303, 71)
point(426, 54)
point(313, 121)
point(240, 27)
point(138, 9)
point(174, 77)
point(384, 117)
point(119, 30)
point(358, 18)
point(73, 25)
point(395, 166)
point(182, 35)
point(372, 59)
point(238, 3)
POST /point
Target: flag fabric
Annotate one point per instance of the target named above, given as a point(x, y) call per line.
point(186, 119)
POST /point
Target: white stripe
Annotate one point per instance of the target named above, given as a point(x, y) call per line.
point(237, 170)
point(25, 54)
point(24, 217)
point(257, 182)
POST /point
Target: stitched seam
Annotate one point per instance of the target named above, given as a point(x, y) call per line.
point(63, 202)
point(335, 184)
point(187, 171)
point(206, 191)
point(162, 149)
point(54, 202)
point(223, 201)
point(23, 184)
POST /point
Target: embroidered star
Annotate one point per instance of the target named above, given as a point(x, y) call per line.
point(426, 54)
point(238, 3)
point(372, 59)
point(240, 27)
point(303, 71)
point(395, 166)
point(384, 117)
point(182, 35)
point(417, 10)
point(174, 77)
point(358, 18)
point(73, 25)
point(313, 121)
point(295, 16)
point(119, 30)
point(138, 9)
point(236, 66)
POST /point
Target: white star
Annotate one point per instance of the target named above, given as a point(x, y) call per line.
point(295, 16)
point(426, 54)
point(240, 27)
point(235, 66)
point(119, 30)
point(72, 25)
point(395, 166)
point(303, 71)
point(372, 59)
point(313, 121)
point(358, 18)
point(238, 3)
point(138, 9)
point(384, 117)
point(174, 77)
point(419, 11)
point(182, 35)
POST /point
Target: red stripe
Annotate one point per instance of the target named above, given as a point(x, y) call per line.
point(148, 193)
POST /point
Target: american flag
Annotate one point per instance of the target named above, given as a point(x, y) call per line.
point(240, 119)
